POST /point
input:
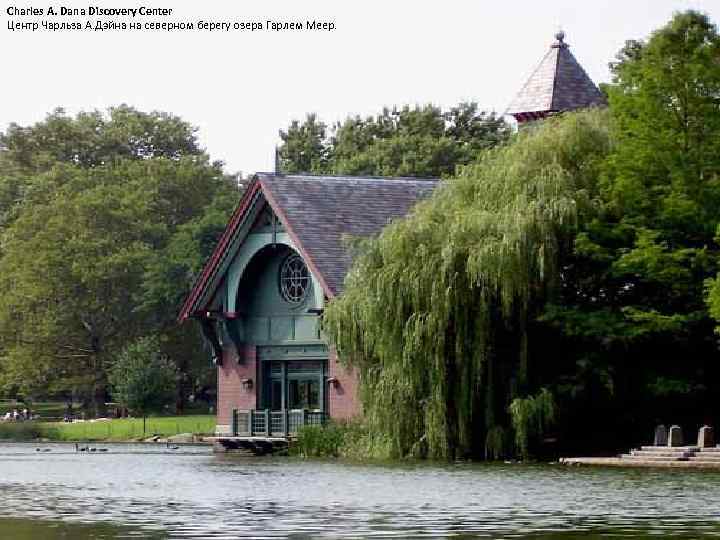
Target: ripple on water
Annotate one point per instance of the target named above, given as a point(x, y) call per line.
point(195, 494)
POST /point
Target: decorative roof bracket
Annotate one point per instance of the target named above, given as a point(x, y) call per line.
point(216, 325)
point(209, 332)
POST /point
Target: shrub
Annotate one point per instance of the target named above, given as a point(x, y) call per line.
point(345, 439)
point(320, 441)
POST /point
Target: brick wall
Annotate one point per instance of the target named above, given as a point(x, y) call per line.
point(231, 393)
point(343, 400)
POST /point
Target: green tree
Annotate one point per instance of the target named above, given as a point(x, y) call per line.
point(665, 106)
point(90, 139)
point(410, 141)
point(94, 240)
point(142, 378)
point(442, 342)
point(635, 340)
point(169, 274)
point(304, 148)
point(93, 138)
point(92, 253)
point(579, 258)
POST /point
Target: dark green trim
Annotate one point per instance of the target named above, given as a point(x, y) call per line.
point(317, 351)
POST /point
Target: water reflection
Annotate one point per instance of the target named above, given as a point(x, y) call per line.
point(191, 493)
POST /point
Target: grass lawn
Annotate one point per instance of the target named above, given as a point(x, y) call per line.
point(121, 429)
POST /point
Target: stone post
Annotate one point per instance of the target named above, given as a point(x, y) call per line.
point(676, 437)
point(706, 437)
point(661, 436)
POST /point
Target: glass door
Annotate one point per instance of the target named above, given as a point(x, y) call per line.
point(305, 385)
point(295, 385)
point(304, 393)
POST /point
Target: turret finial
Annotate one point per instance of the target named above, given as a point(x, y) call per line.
point(559, 40)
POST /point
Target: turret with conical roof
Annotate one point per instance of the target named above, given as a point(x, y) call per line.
point(558, 84)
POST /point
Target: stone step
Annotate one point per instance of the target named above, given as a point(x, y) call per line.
point(667, 453)
point(713, 458)
point(653, 458)
point(669, 448)
point(711, 450)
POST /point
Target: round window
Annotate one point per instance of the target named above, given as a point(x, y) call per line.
point(294, 279)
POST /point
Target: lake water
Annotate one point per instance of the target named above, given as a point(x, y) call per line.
point(142, 491)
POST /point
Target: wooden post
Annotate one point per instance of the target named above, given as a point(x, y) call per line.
point(267, 422)
point(234, 422)
point(251, 416)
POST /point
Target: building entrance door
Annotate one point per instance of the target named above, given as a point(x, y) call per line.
point(296, 385)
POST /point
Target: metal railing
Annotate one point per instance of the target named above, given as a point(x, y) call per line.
point(269, 423)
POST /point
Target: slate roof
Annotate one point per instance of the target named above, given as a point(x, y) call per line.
point(320, 210)
point(559, 83)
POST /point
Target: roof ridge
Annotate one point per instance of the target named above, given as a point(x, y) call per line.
point(349, 178)
point(558, 46)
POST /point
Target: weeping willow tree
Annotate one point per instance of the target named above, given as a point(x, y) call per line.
point(531, 416)
point(436, 309)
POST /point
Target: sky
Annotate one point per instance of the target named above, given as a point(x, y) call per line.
point(241, 88)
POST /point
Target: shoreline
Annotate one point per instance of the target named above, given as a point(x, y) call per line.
point(615, 462)
point(36, 442)
point(635, 463)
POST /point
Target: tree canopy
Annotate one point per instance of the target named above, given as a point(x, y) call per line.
point(409, 141)
point(636, 332)
point(435, 311)
point(571, 264)
point(92, 138)
point(109, 218)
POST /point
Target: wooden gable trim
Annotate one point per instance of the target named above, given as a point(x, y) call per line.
point(211, 266)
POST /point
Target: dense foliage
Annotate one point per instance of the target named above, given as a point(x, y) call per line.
point(142, 379)
point(330, 440)
point(104, 219)
point(435, 311)
point(573, 260)
point(420, 141)
point(633, 334)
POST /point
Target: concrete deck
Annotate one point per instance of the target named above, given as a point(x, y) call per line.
point(620, 462)
point(680, 457)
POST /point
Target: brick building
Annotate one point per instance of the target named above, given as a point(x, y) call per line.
point(261, 294)
point(283, 255)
